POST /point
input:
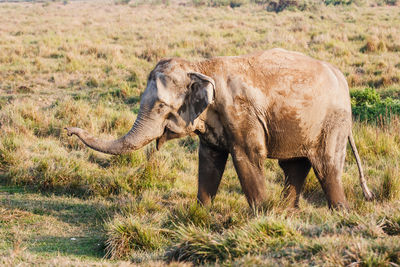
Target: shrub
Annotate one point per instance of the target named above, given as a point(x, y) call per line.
point(338, 2)
point(278, 6)
point(367, 105)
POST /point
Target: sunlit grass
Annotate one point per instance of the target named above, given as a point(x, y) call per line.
point(85, 64)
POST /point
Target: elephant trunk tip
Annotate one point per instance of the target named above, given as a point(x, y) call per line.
point(73, 130)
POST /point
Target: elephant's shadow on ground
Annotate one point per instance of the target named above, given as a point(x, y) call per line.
point(316, 198)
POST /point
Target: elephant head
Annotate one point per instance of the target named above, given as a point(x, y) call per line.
point(174, 97)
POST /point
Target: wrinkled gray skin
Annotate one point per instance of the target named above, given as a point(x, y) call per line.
point(276, 104)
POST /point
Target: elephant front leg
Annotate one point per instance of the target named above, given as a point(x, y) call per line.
point(211, 167)
point(249, 167)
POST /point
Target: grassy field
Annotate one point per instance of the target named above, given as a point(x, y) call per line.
point(85, 64)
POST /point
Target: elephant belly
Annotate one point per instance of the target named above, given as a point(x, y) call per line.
point(293, 134)
point(297, 136)
point(282, 144)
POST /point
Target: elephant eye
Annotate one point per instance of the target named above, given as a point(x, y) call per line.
point(161, 107)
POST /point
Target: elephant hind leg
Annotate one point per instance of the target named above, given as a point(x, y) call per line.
point(328, 166)
point(296, 171)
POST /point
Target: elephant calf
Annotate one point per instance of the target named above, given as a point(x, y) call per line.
point(276, 104)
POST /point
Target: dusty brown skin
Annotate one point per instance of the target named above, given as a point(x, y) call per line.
point(276, 104)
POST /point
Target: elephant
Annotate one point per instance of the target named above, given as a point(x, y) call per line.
point(276, 104)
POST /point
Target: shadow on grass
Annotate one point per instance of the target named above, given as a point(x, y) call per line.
point(78, 246)
point(87, 216)
point(316, 199)
point(11, 189)
point(7, 185)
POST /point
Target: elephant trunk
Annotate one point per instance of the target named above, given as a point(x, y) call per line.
point(140, 135)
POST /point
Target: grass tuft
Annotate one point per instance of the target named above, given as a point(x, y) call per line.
point(190, 214)
point(373, 44)
point(391, 224)
point(199, 245)
point(128, 234)
point(390, 187)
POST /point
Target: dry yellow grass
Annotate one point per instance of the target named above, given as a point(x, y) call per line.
point(86, 63)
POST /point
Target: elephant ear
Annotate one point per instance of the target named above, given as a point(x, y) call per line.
point(202, 90)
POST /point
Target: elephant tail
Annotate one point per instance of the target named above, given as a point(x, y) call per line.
point(367, 193)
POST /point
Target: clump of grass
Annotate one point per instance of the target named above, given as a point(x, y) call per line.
point(373, 44)
point(8, 146)
point(153, 174)
point(391, 224)
point(390, 186)
point(92, 82)
point(359, 225)
point(349, 220)
point(270, 227)
point(376, 254)
point(190, 214)
point(149, 202)
point(228, 213)
point(24, 90)
point(274, 201)
point(219, 217)
point(128, 234)
point(199, 245)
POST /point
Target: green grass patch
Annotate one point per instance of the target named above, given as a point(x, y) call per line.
point(128, 234)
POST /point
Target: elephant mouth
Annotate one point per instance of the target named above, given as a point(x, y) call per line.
point(161, 140)
point(167, 135)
